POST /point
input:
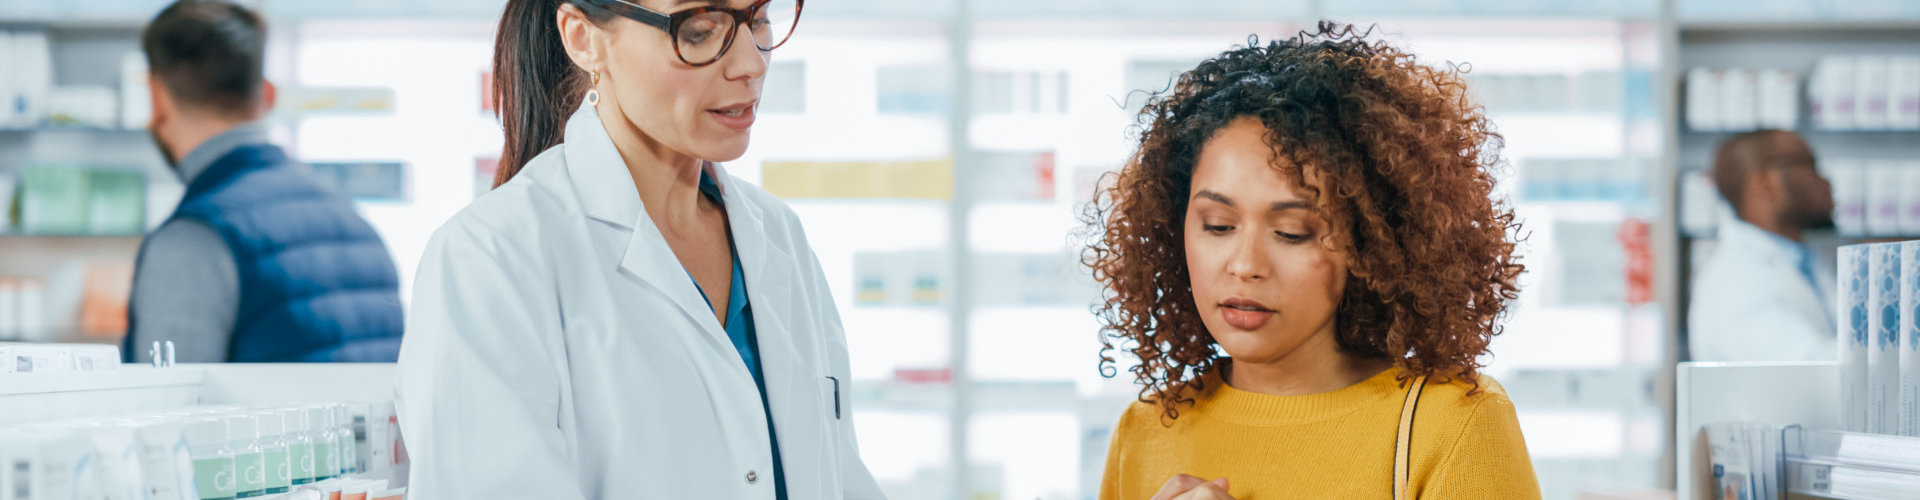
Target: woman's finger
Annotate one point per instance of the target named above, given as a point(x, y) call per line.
point(1177, 486)
point(1207, 491)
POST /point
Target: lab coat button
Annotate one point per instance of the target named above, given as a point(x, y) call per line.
point(753, 477)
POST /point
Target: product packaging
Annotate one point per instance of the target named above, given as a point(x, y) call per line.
point(1883, 348)
point(1851, 308)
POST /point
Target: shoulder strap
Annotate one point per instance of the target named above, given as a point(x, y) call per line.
point(1403, 443)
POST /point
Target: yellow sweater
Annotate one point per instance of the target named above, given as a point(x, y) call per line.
point(1332, 445)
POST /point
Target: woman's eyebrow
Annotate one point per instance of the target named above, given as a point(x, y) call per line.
point(1223, 199)
point(1279, 206)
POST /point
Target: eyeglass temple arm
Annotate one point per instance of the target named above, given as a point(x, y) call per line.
point(640, 13)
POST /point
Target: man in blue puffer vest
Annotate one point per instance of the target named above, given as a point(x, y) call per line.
point(258, 263)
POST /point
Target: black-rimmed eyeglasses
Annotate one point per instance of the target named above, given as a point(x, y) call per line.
point(702, 34)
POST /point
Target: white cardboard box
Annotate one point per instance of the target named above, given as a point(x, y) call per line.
point(1883, 197)
point(8, 96)
point(1831, 93)
point(1849, 178)
point(1779, 95)
point(1703, 99)
point(1903, 93)
point(1870, 92)
point(32, 76)
point(1910, 198)
point(1739, 99)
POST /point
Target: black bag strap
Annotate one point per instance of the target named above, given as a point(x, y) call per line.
point(1403, 442)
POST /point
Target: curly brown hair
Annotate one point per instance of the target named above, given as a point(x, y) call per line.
point(1410, 164)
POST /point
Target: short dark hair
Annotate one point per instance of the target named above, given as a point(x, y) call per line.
point(207, 53)
point(1736, 160)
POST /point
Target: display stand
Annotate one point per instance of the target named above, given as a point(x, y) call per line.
point(36, 397)
point(1807, 394)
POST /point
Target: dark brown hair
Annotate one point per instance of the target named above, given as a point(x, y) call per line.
point(1407, 166)
point(535, 84)
point(207, 53)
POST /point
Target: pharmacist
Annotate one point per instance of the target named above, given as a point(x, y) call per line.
point(1760, 297)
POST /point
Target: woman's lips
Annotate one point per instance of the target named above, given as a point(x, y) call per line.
point(1245, 314)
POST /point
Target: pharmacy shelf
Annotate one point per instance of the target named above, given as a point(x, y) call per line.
point(71, 130)
point(1481, 10)
point(989, 397)
point(74, 238)
point(1794, 44)
point(1080, 10)
point(131, 377)
point(1776, 27)
point(30, 397)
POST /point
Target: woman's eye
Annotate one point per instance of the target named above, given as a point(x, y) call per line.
point(1293, 237)
point(1215, 229)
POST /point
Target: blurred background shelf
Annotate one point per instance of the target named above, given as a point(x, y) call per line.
point(1852, 27)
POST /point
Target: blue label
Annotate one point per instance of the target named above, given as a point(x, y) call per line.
point(1858, 314)
point(1889, 325)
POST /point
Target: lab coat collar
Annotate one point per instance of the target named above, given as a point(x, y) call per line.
point(1737, 233)
point(605, 192)
point(600, 178)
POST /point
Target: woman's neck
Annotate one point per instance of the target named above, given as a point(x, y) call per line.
point(668, 182)
point(1316, 366)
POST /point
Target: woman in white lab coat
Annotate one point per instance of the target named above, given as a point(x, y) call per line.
point(619, 318)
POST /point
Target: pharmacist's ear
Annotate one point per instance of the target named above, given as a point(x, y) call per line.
point(162, 102)
point(270, 95)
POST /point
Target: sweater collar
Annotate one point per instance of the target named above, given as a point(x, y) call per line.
point(1224, 402)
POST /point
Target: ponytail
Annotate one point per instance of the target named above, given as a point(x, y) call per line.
point(535, 83)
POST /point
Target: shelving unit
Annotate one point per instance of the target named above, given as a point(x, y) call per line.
point(1785, 34)
point(1782, 44)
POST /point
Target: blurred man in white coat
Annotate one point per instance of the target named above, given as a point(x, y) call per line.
point(1760, 296)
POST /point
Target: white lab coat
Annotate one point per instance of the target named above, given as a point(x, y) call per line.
point(557, 350)
point(1751, 303)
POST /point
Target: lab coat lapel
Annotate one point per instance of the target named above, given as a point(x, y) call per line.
point(606, 193)
point(791, 383)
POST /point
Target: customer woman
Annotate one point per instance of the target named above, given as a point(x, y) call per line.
point(619, 318)
point(1305, 257)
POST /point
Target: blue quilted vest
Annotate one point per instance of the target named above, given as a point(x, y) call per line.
point(316, 282)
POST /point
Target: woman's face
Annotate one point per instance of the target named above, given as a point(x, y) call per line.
point(705, 112)
point(1264, 279)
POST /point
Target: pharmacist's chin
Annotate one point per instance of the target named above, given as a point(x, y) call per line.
point(1816, 221)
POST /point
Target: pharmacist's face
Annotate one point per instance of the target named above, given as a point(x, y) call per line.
point(1265, 280)
point(706, 111)
point(1809, 197)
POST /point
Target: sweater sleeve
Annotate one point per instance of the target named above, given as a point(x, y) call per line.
point(1489, 460)
point(1110, 479)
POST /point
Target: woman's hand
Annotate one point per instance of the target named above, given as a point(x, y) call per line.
point(1186, 487)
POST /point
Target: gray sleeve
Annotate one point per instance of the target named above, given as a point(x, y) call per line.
point(186, 290)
